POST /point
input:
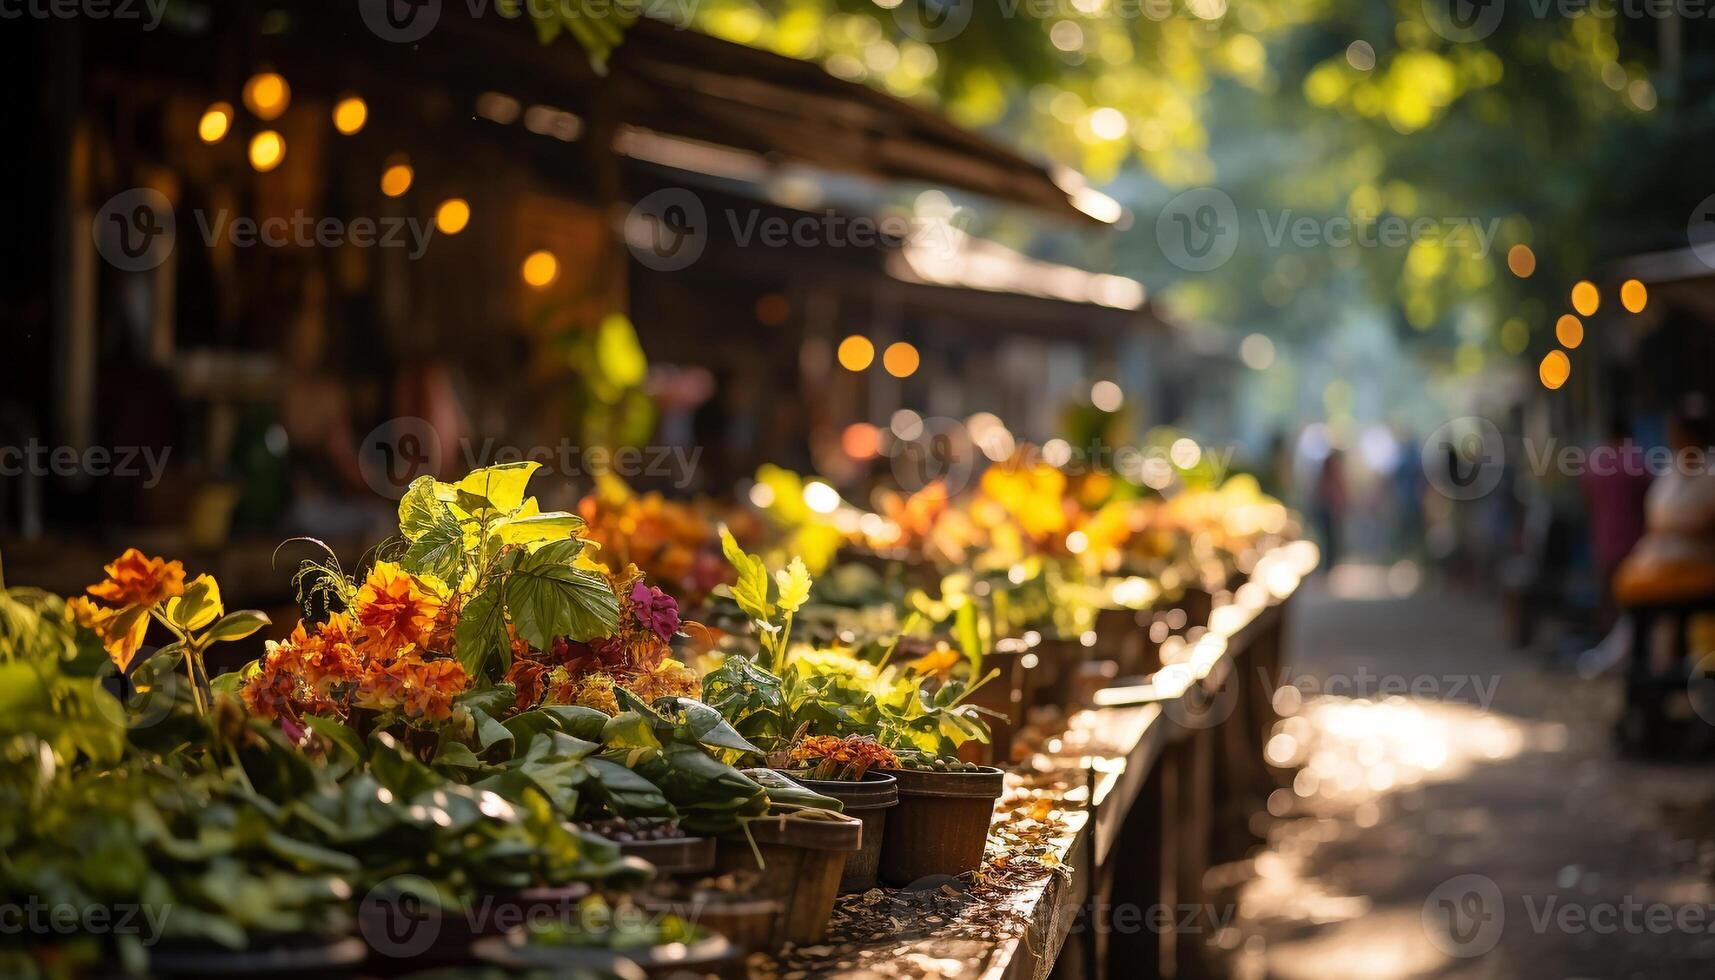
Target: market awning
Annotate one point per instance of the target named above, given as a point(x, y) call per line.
point(666, 82)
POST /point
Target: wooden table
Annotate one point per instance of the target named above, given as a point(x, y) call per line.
point(1126, 809)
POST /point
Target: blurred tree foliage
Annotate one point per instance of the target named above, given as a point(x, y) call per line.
point(1554, 130)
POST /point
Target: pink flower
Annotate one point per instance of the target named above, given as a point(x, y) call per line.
point(656, 610)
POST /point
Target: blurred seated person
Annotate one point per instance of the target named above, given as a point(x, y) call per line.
point(1674, 562)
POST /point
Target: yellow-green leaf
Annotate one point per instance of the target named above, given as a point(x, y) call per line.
point(794, 584)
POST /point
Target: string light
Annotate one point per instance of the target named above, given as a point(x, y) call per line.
point(1521, 260)
point(216, 122)
point(1633, 296)
point(856, 353)
point(1556, 367)
point(900, 360)
point(267, 95)
point(396, 179)
point(541, 269)
point(1585, 299)
point(267, 149)
point(452, 216)
point(1569, 330)
point(350, 114)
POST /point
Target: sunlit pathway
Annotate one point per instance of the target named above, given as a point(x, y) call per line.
point(1480, 827)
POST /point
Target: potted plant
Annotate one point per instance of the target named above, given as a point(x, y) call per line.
point(941, 824)
point(607, 937)
point(848, 769)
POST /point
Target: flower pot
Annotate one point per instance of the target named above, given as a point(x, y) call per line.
point(941, 824)
point(867, 799)
point(281, 956)
point(514, 952)
point(1003, 699)
point(802, 860)
point(674, 855)
point(748, 923)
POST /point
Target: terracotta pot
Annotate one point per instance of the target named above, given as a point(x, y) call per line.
point(941, 824)
point(674, 855)
point(332, 956)
point(1003, 697)
point(803, 859)
point(748, 923)
point(711, 955)
point(867, 799)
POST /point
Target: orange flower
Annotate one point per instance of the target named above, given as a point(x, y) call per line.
point(133, 579)
point(396, 608)
point(136, 582)
point(423, 688)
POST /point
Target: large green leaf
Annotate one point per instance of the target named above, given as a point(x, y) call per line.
point(481, 632)
point(547, 597)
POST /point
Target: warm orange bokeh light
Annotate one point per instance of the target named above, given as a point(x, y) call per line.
point(861, 440)
point(900, 360)
point(1585, 299)
point(1569, 330)
point(541, 269)
point(396, 180)
point(267, 95)
point(452, 216)
point(349, 114)
point(1521, 260)
point(1556, 368)
point(1633, 296)
point(216, 122)
point(267, 149)
point(856, 353)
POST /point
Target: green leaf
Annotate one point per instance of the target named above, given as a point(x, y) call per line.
point(342, 737)
point(969, 632)
point(420, 509)
point(481, 632)
point(438, 551)
point(547, 597)
point(457, 755)
point(751, 589)
point(618, 354)
point(237, 625)
point(705, 726)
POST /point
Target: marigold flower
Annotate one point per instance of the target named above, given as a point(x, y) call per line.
point(421, 688)
point(135, 579)
point(396, 608)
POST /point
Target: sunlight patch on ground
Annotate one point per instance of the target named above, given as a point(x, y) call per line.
point(1351, 756)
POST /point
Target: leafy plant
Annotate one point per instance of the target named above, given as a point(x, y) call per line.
point(751, 592)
